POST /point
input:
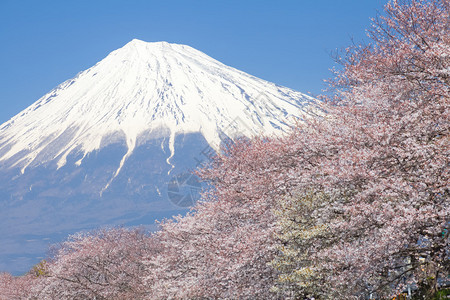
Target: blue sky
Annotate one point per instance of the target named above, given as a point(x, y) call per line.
point(43, 43)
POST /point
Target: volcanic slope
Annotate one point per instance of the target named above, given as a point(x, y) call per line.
point(114, 144)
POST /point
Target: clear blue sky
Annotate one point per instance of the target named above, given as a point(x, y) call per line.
point(43, 43)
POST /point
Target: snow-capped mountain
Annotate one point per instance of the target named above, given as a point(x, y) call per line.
point(113, 145)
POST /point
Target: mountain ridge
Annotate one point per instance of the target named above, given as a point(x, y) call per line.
point(120, 102)
point(115, 145)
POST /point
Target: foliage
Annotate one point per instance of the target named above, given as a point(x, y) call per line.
point(300, 230)
point(41, 269)
point(441, 295)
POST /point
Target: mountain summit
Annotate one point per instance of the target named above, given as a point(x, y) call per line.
point(145, 87)
point(113, 145)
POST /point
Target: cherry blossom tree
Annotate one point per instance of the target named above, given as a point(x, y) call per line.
point(16, 287)
point(102, 264)
point(221, 249)
point(384, 167)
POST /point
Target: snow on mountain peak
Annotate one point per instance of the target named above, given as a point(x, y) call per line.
point(146, 87)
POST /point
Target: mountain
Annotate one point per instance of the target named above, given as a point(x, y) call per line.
point(115, 144)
